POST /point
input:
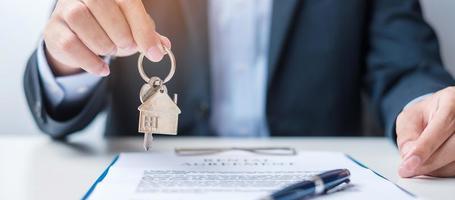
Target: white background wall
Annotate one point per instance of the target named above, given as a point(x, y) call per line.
point(440, 14)
point(21, 22)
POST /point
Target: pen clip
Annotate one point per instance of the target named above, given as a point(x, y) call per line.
point(342, 186)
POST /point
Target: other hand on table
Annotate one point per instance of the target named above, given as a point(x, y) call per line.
point(425, 136)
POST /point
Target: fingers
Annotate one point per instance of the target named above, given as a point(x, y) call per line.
point(442, 157)
point(66, 48)
point(409, 125)
point(143, 29)
point(113, 22)
point(440, 126)
point(84, 25)
point(446, 171)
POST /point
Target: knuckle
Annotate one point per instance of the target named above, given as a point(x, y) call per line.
point(419, 151)
point(125, 40)
point(67, 43)
point(75, 11)
point(102, 45)
point(105, 49)
point(424, 149)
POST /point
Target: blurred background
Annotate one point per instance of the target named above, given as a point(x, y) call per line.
point(22, 22)
point(21, 25)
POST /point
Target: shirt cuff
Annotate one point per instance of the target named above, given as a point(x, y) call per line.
point(71, 89)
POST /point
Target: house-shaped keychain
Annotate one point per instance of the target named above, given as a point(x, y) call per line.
point(159, 114)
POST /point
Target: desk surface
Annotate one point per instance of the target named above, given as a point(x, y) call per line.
point(38, 168)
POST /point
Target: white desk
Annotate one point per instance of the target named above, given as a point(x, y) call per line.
point(38, 168)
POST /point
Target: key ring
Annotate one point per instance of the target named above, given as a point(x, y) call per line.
point(171, 72)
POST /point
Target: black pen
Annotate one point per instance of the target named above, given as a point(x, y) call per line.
point(318, 184)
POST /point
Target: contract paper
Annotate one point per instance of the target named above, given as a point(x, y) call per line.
point(232, 175)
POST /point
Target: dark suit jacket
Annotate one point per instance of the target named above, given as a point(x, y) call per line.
point(324, 54)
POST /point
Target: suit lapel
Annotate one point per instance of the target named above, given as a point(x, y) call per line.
point(282, 14)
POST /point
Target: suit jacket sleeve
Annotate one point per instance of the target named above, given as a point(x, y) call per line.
point(66, 118)
point(403, 60)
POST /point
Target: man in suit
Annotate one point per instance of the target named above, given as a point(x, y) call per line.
point(251, 68)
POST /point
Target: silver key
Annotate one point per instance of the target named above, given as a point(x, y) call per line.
point(158, 113)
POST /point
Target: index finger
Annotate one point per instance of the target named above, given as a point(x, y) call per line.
point(143, 29)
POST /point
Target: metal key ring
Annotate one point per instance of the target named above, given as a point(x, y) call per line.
point(168, 77)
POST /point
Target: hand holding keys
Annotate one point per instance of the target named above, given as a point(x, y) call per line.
point(158, 113)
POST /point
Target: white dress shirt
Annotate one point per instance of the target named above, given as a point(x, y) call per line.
point(239, 36)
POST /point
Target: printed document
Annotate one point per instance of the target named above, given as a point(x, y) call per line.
point(232, 175)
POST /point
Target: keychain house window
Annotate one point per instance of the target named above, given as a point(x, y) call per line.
point(150, 123)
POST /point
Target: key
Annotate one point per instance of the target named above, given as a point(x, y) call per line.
point(150, 88)
point(158, 113)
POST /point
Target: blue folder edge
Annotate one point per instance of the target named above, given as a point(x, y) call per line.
point(364, 166)
point(99, 179)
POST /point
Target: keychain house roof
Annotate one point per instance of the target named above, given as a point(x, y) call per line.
point(159, 114)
